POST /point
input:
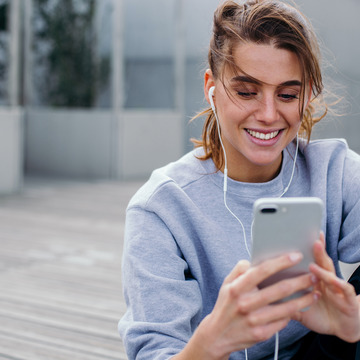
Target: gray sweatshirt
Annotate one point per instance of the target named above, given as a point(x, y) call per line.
point(181, 242)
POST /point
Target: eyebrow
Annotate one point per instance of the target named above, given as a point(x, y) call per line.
point(249, 80)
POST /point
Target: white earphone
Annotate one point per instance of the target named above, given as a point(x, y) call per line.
point(211, 95)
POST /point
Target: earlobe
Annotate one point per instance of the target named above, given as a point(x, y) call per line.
point(208, 84)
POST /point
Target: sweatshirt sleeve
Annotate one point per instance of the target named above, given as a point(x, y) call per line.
point(349, 245)
point(163, 299)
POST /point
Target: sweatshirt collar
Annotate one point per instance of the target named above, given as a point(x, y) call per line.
point(272, 188)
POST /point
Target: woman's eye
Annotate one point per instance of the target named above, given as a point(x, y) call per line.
point(246, 94)
point(288, 96)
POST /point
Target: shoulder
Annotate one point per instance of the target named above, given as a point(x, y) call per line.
point(326, 146)
point(330, 157)
point(327, 152)
point(175, 176)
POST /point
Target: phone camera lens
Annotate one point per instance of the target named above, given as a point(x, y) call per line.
point(268, 210)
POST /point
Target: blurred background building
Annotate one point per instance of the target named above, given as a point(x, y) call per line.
point(105, 89)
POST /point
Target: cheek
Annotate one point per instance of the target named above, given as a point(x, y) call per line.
point(236, 113)
point(231, 121)
point(293, 116)
point(227, 114)
point(295, 126)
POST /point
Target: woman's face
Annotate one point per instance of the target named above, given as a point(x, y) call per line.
point(258, 115)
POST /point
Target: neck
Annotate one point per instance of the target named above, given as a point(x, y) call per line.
point(254, 173)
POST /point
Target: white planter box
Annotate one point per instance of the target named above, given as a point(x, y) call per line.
point(11, 149)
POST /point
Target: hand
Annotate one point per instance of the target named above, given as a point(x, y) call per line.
point(338, 311)
point(244, 315)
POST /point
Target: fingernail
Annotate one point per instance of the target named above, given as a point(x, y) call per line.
point(314, 279)
point(295, 257)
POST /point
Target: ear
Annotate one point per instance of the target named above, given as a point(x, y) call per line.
point(208, 83)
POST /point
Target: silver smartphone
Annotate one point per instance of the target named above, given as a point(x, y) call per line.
point(283, 225)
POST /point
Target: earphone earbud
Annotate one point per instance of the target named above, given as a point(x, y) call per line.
point(211, 98)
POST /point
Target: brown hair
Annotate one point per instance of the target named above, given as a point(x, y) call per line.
point(262, 22)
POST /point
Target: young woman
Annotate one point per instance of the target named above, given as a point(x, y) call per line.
point(190, 289)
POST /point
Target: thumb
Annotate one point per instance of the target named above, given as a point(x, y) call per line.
point(240, 268)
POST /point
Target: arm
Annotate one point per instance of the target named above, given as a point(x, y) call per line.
point(163, 306)
point(165, 317)
point(244, 315)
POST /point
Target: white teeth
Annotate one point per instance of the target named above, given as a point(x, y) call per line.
point(263, 136)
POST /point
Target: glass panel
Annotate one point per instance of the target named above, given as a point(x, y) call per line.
point(71, 62)
point(104, 29)
point(4, 55)
point(149, 53)
point(198, 20)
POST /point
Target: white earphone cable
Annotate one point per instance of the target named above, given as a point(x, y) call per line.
point(225, 185)
point(293, 169)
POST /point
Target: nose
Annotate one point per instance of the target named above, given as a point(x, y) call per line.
point(268, 110)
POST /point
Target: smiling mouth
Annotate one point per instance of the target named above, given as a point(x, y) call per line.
point(263, 136)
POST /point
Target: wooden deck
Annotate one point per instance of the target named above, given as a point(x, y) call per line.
point(60, 265)
point(60, 260)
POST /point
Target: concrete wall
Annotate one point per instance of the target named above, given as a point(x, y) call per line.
point(150, 139)
point(97, 144)
point(11, 149)
point(72, 143)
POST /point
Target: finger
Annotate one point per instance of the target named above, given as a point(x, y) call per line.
point(326, 276)
point(277, 312)
point(321, 257)
point(336, 285)
point(240, 268)
point(256, 274)
point(264, 332)
point(271, 294)
point(298, 315)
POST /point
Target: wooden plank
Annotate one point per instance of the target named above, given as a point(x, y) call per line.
point(60, 272)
